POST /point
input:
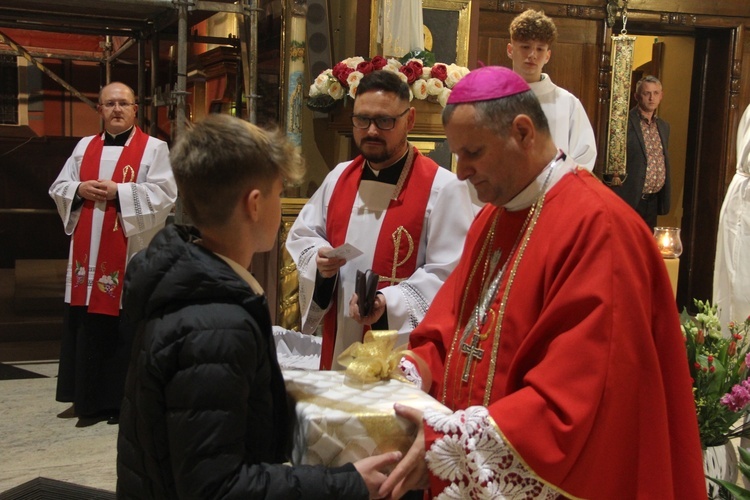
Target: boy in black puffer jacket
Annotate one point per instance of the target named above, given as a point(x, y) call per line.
point(205, 412)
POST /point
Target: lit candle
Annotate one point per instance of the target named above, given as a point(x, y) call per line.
point(668, 241)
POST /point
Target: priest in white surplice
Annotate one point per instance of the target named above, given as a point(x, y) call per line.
point(113, 194)
point(732, 266)
point(407, 215)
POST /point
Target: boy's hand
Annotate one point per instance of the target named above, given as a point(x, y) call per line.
point(371, 469)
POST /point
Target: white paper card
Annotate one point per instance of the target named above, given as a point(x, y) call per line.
point(345, 251)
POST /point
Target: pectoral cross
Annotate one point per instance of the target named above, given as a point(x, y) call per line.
point(472, 352)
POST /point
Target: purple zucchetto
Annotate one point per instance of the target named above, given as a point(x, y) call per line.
point(487, 83)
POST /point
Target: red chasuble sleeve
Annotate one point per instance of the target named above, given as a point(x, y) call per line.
point(589, 392)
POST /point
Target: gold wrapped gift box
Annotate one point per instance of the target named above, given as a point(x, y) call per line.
point(339, 423)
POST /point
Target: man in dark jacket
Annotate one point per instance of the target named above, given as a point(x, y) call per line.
point(647, 187)
point(205, 412)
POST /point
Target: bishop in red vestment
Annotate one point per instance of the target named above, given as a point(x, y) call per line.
point(556, 341)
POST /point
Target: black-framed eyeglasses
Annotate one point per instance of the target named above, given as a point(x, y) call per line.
point(382, 122)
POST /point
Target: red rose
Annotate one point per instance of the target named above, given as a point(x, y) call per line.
point(365, 67)
point(413, 72)
point(341, 71)
point(416, 65)
point(378, 62)
point(439, 71)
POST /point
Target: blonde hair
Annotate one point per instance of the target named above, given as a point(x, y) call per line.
point(221, 157)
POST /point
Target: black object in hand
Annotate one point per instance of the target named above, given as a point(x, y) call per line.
point(366, 288)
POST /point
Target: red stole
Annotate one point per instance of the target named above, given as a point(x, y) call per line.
point(395, 257)
point(113, 245)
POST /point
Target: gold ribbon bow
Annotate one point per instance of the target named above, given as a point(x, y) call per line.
point(374, 359)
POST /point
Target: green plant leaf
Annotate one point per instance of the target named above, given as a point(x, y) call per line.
point(427, 57)
point(744, 469)
point(738, 491)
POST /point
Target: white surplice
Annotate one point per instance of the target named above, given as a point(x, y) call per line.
point(448, 215)
point(732, 266)
point(144, 204)
point(568, 123)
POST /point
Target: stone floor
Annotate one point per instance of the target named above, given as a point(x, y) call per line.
point(34, 442)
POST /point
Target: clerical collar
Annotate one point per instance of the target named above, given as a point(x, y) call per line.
point(548, 177)
point(388, 175)
point(117, 140)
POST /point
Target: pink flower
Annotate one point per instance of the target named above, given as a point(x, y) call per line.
point(738, 398)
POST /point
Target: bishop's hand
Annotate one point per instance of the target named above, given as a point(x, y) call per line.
point(411, 473)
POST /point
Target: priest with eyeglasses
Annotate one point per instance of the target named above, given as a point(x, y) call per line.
point(113, 195)
point(406, 215)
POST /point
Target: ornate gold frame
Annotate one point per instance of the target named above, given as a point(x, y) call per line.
point(463, 7)
point(287, 299)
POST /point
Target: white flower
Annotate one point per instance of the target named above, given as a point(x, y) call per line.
point(322, 82)
point(419, 89)
point(336, 90)
point(393, 64)
point(314, 92)
point(354, 78)
point(352, 62)
point(443, 97)
point(434, 86)
point(106, 280)
point(425, 87)
point(353, 89)
point(455, 73)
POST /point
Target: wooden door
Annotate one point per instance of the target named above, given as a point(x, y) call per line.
point(706, 159)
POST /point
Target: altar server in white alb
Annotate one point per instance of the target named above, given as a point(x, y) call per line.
point(113, 194)
point(531, 36)
point(407, 216)
point(732, 267)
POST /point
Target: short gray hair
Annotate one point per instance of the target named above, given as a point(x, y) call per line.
point(646, 79)
point(498, 114)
